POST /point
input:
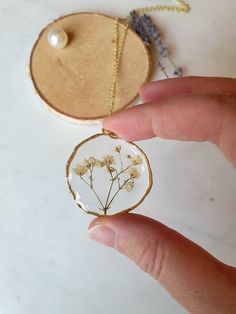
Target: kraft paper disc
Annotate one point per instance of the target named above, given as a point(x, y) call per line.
point(75, 81)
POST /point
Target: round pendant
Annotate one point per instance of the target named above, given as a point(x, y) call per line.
point(107, 175)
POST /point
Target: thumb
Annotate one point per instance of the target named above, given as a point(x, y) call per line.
point(197, 280)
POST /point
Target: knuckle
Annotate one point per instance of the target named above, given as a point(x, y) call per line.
point(151, 258)
point(223, 100)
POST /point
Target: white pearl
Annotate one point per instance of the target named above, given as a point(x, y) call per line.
point(57, 38)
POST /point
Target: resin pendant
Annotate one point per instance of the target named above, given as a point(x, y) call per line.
point(107, 175)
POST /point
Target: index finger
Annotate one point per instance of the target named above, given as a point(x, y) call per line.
point(185, 117)
point(187, 85)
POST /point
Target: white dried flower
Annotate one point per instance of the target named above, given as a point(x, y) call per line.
point(128, 186)
point(137, 160)
point(100, 164)
point(108, 160)
point(90, 162)
point(110, 169)
point(80, 170)
point(134, 173)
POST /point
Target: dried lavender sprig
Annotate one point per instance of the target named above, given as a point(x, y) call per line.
point(136, 24)
point(163, 69)
point(155, 35)
point(178, 70)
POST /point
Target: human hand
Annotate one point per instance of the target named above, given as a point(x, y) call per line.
point(191, 108)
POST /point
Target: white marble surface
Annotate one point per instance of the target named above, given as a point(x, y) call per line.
point(47, 263)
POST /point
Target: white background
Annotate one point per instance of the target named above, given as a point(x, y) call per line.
point(48, 265)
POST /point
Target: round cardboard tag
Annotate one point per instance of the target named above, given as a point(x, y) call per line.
point(75, 81)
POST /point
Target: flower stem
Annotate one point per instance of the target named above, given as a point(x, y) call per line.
point(121, 162)
point(118, 178)
point(91, 177)
point(124, 170)
point(91, 187)
point(110, 189)
point(120, 188)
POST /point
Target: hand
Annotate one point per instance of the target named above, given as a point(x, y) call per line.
point(191, 108)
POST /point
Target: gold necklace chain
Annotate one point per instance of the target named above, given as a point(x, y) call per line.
point(180, 7)
point(117, 52)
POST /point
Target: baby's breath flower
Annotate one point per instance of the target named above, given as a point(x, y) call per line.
point(100, 164)
point(110, 169)
point(93, 161)
point(133, 172)
point(86, 163)
point(117, 149)
point(128, 186)
point(80, 170)
point(136, 160)
point(90, 162)
point(108, 160)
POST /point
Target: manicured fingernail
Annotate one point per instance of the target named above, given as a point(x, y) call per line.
point(102, 234)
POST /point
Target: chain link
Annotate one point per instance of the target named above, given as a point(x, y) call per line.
point(117, 53)
point(181, 7)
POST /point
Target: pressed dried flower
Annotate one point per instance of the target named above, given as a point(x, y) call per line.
point(136, 160)
point(128, 186)
point(134, 173)
point(100, 164)
point(90, 162)
point(110, 169)
point(80, 170)
point(118, 149)
point(108, 160)
point(122, 171)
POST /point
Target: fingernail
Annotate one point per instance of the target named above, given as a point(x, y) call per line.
point(102, 234)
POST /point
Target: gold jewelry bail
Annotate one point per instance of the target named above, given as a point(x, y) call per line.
point(110, 133)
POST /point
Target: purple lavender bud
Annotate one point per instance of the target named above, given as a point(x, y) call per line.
point(152, 29)
point(163, 51)
point(178, 72)
point(137, 26)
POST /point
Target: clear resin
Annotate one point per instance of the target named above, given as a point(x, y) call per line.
point(107, 175)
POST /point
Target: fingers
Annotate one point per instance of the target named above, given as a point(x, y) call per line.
point(184, 117)
point(192, 276)
point(187, 85)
